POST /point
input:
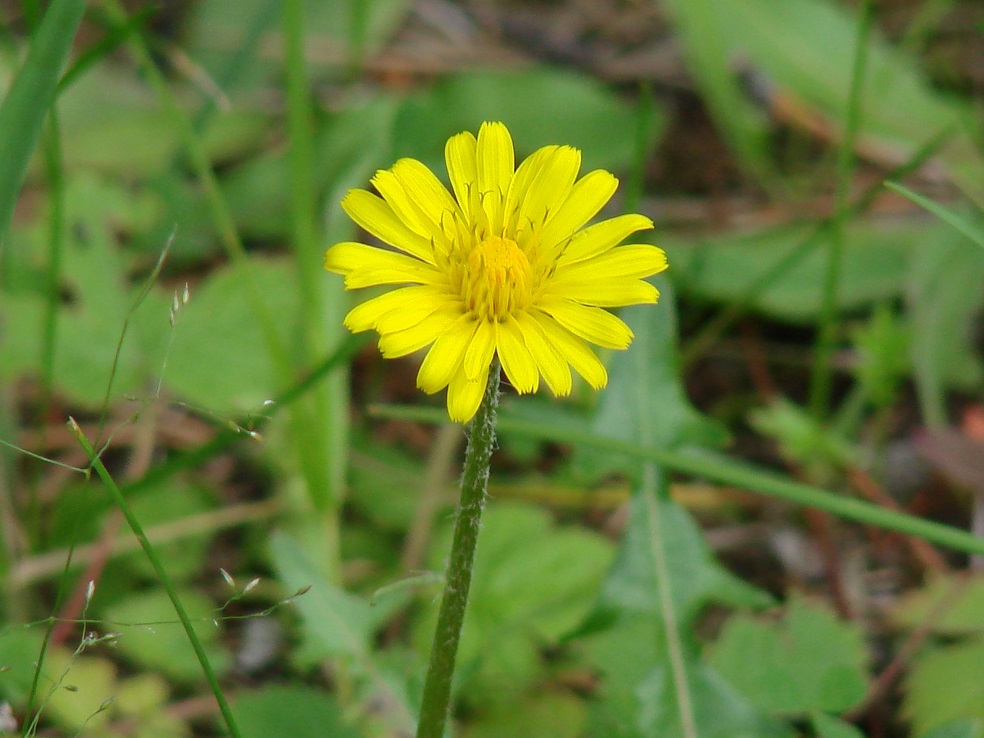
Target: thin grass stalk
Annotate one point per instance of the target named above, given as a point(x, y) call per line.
point(724, 470)
point(162, 575)
point(821, 379)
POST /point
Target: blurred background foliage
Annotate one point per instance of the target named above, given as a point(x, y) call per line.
point(160, 282)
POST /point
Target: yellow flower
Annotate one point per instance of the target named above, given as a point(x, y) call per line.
point(504, 267)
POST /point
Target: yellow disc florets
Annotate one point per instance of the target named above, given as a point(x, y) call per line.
point(496, 281)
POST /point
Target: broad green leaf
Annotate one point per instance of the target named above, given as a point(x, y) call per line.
point(957, 729)
point(152, 636)
point(171, 503)
point(548, 715)
point(826, 726)
point(948, 606)
point(291, 710)
point(570, 109)
point(83, 687)
point(875, 266)
point(217, 359)
point(809, 661)
point(645, 390)
point(31, 93)
point(338, 622)
point(696, 577)
point(20, 648)
point(111, 121)
point(637, 698)
point(804, 51)
point(944, 685)
point(533, 582)
point(946, 290)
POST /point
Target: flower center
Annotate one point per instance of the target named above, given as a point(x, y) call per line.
point(497, 279)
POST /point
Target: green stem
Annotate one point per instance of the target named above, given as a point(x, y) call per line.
point(457, 578)
point(165, 580)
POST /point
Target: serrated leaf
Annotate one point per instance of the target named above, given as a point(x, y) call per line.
point(809, 661)
point(637, 696)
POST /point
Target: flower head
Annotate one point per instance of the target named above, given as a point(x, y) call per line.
point(502, 267)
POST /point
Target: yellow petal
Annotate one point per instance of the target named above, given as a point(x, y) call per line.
point(519, 186)
point(555, 370)
point(401, 343)
point(601, 237)
point(550, 187)
point(478, 355)
point(605, 292)
point(465, 395)
point(416, 312)
point(590, 323)
point(574, 350)
point(633, 261)
point(517, 361)
point(364, 317)
point(426, 194)
point(459, 155)
point(495, 164)
point(587, 197)
point(446, 355)
point(376, 216)
point(365, 266)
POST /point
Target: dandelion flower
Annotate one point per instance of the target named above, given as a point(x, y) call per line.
point(503, 266)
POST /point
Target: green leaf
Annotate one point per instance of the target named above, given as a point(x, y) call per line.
point(290, 710)
point(31, 93)
point(947, 605)
point(549, 715)
point(826, 726)
point(570, 109)
point(971, 230)
point(957, 729)
point(83, 689)
point(696, 577)
point(875, 267)
point(945, 685)
point(637, 698)
point(653, 360)
point(339, 623)
point(216, 360)
point(882, 347)
point(946, 290)
point(152, 637)
point(809, 661)
point(801, 438)
point(533, 582)
point(803, 50)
